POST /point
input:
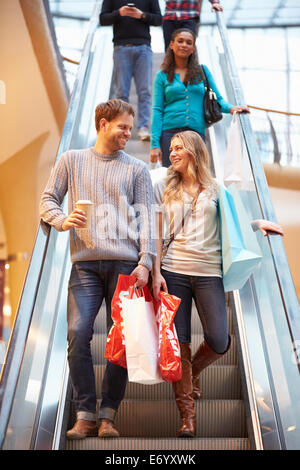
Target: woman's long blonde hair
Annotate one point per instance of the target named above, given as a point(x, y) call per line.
point(198, 168)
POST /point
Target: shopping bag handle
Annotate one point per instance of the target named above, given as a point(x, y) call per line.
point(133, 291)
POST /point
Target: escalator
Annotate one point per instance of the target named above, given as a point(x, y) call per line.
point(251, 395)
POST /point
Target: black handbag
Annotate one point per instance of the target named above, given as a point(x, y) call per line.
point(211, 108)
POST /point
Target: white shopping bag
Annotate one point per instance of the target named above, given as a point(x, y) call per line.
point(237, 169)
point(158, 173)
point(233, 157)
point(141, 340)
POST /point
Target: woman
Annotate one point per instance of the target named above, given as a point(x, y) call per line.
point(178, 92)
point(191, 266)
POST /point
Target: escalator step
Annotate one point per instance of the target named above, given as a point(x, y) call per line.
point(160, 418)
point(93, 443)
point(215, 418)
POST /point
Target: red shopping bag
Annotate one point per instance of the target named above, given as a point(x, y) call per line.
point(169, 351)
point(115, 345)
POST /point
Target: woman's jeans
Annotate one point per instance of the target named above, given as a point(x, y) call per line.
point(208, 294)
point(90, 282)
point(165, 142)
point(134, 62)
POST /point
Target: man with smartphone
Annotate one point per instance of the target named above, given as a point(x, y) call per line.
point(132, 51)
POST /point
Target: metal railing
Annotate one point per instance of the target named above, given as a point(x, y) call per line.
point(277, 135)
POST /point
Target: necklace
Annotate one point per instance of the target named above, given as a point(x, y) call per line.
point(194, 194)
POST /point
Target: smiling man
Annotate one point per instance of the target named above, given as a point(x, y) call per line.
point(110, 179)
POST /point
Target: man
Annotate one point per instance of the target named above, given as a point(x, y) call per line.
point(132, 51)
point(118, 241)
point(183, 14)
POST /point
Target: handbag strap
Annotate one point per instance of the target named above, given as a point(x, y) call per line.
point(204, 77)
point(172, 235)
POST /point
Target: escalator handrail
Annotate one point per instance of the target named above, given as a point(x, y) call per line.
point(283, 274)
point(17, 343)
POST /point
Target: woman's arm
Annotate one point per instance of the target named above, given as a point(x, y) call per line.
point(158, 281)
point(225, 106)
point(157, 110)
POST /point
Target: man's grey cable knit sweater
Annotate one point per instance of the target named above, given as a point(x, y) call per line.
point(121, 190)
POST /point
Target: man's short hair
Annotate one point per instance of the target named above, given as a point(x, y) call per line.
point(110, 110)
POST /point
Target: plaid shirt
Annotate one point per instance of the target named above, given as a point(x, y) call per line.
point(183, 9)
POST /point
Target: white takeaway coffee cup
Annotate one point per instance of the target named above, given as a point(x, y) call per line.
point(86, 206)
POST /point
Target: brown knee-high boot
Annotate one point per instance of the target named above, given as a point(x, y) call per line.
point(183, 390)
point(203, 357)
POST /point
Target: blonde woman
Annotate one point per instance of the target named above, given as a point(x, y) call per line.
point(191, 267)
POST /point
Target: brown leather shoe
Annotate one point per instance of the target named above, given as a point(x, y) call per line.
point(83, 428)
point(107, 429)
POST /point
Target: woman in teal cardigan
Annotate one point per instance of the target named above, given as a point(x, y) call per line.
point(178, 93)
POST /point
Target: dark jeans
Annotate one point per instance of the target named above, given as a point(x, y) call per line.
point(169, 27)
point(90, 282)
point(208, 294)
point(165, 141)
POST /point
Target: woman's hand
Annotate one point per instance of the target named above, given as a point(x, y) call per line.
point(265, 225)
point(158, 284)
point(155, 155)
point(239, 109)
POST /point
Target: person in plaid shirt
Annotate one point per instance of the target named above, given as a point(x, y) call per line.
point(183, 14)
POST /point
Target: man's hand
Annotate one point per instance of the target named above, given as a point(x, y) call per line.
point(76, 219)
point(142, 275)
point(216, 7)
point(130, 11)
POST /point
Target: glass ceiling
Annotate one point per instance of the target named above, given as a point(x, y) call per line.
point(238, 13)
point(81, 9)
point(255, 13)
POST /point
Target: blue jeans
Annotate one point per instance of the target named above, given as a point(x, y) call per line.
point(136, 62)
point(90, 282)
point(165, 141)
point(209, 296)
